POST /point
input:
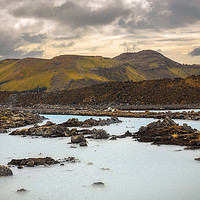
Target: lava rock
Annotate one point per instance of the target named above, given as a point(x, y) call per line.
point(31, 162)
point(5, 171)
point(21, 190)
point(114, 137)
point(168, 132)
point(98, 184)
point(83, 144)
point(100, 134)
point(49, 123)
point(77, 139)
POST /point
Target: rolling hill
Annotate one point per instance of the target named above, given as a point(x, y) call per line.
point(73, 71)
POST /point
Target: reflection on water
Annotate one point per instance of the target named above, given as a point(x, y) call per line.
point(138, 171)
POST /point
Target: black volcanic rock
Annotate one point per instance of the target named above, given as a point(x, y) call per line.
point(13, 119)
point(5, 171)
point(31, 162)
point(153, 92)
point(98, 184)
point(77, 139)
point(168, 132)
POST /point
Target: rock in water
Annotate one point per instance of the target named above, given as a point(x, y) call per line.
point(77, 139)
point(21, 190)
point(5, 171)
point(90, 163)
point(98, 184)
point(105, 169)
point(168, 132)
point(83, 144)
point(100, 134)
point(113, 137)
point(31, 162)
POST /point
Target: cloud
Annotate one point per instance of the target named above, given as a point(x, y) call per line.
point(63, 45)
point(163, 15)
point(34, 38)
point(176, 39)
point(145, 23)
point(72, 13)
point(71, 44)
point(67, 37)
point(195, 52)
point(9, 45)
point(129, 46)
point(128, 14)
point(34, 53)
point(181, 12)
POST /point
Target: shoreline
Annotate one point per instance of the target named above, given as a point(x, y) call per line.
point(112, 112)
point(104, 106)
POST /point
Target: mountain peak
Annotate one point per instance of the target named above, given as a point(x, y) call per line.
point(143, 53)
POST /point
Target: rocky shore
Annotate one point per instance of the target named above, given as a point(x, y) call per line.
point(14, 119)
point(169, 133)
point(190, 115)
point(121, 106)
point(107, 111)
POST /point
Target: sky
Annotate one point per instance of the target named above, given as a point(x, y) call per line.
point(48, 28)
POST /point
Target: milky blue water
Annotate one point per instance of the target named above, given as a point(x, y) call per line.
point(138, 171)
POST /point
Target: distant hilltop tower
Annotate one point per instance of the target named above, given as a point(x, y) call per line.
point(127, 50)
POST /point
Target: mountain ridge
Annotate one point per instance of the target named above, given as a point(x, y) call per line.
point(74, 71)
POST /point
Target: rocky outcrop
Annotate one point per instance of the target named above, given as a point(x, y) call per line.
point(99, 134)
point(77, 139)
point(32, 162)
point(90, 122)
point(98, 184)
point(13, 119)
point(94, 134)
point(5, 171)
point(83, 144)
point(61, 130)
point(168, 132)
point(48, 130)
point(22, 190)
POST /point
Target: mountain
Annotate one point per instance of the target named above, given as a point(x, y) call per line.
point(74, 71)
point(153, 65)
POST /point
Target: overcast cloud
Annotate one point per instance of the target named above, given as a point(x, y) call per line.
point(47, 28)
point(195, 52)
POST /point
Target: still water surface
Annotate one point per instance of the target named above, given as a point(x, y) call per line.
point(138, 171)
